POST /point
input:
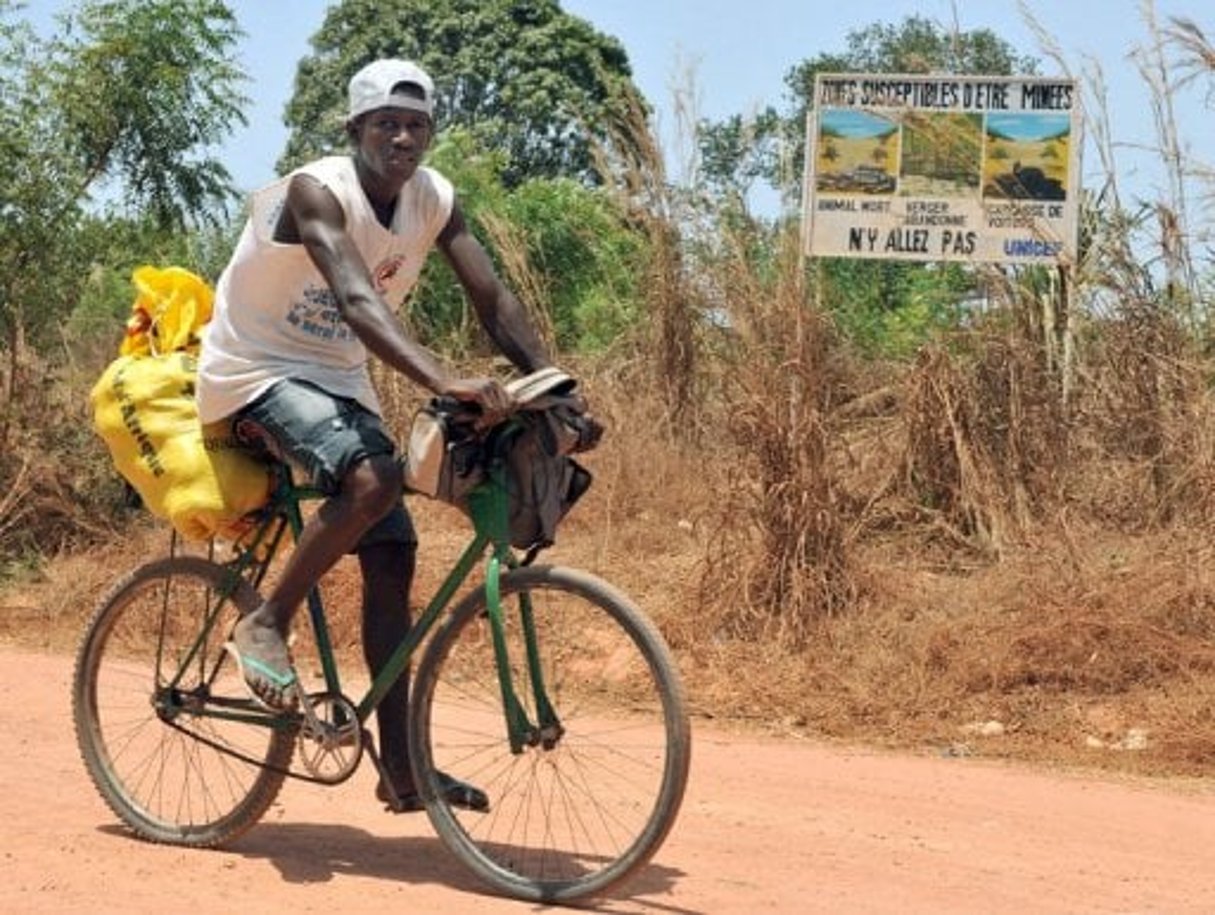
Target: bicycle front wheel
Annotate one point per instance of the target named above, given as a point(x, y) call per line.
point(163, 721)
point(592, 796)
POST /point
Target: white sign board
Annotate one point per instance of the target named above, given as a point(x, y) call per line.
point(943, 168)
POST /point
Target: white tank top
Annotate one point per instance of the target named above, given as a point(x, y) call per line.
point(275, 317)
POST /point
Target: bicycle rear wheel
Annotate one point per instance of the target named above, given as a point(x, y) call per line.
point(163, 721)
point(573, 814)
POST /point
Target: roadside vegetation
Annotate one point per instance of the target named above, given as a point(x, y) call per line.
point(960, 509)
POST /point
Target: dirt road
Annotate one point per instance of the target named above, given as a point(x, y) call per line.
point(767, 826)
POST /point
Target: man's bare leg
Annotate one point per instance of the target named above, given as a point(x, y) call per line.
point(387, 576)
point(368, 492)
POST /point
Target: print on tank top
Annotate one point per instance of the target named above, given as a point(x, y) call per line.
point(318, 316)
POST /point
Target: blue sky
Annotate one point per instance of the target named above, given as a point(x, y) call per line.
point(735, 57)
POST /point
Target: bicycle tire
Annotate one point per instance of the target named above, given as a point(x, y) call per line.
point(173, 778)
point(571, 821)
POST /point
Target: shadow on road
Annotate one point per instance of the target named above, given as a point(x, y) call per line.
point(319, 853)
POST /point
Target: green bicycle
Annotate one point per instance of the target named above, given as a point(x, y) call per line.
point(545, 686)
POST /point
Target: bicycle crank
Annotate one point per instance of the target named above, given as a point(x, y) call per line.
point(330, 738)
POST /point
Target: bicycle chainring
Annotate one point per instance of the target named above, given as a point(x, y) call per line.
point(330, 741)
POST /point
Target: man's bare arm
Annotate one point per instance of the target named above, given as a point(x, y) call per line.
point(320, 224)
point(500, 313)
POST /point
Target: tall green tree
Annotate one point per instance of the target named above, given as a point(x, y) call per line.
point(113, 114)
point(521, 76)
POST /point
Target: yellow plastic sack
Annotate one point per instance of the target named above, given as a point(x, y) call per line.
point(171, 307)
point(143, 408)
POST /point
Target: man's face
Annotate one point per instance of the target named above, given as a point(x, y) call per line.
point(391, 142)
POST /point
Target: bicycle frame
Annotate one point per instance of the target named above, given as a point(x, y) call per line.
point(488, 505)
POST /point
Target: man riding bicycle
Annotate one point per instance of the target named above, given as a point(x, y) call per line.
point(326, 254)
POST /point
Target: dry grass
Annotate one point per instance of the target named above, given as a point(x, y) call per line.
point(1081, 634)
point(781, 561)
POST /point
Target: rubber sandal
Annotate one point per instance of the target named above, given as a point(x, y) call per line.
point(455, 792)
point(277, 678)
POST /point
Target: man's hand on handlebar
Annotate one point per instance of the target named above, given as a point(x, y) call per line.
point(494, 401)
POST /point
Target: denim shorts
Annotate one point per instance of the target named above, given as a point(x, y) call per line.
point(323, 436)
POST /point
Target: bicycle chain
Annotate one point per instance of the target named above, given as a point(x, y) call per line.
point(260, 763)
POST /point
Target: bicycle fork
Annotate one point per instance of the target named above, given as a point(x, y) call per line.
point(547, 731)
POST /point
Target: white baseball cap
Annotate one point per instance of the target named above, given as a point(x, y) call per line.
point(372, 87)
